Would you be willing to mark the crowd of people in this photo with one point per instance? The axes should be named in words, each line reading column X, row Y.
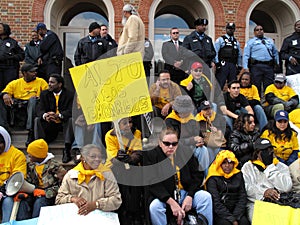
column 219, row 148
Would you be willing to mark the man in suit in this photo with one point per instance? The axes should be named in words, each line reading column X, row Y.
column 172, row 53
column 55, row 114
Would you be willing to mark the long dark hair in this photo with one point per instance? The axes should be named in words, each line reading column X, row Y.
column 6, row 29
column 240, row 122
column 271, row 127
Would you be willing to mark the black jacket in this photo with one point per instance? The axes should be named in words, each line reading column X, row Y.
column 51, row 48
column 10, row 52
column 229, row 196
column 241, row 144
column 48, row 103
column 32, row 52
column 162, row 177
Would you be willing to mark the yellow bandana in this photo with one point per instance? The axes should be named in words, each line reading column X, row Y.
column 215, row 168
column 260, row 163
column 174, row 116
column 85, row 175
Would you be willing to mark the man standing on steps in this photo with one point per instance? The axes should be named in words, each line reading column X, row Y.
column 55, row 114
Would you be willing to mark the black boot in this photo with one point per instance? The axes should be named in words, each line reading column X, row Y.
column 67, row 154
column 30, row 138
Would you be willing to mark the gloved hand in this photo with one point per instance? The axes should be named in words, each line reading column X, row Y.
column 122, row 155
column 39, row 192
column 20, row 196
column 288, row 105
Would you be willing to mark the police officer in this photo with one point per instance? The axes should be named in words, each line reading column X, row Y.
column 51, row 50
column 260, row 56
column 290, row 51
column 228, row 57
column 200, row 43
column 10, row 56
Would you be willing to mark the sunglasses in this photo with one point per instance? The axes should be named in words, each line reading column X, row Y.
column 175, row 32
column 278, row 82
column 166, row 143
column 198, row 70
column 259, row 29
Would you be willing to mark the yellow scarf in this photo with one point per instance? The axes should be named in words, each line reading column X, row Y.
column 174, row 116
column 200, row 117
column 215, row 168
column 260, row 163
column 85, row 175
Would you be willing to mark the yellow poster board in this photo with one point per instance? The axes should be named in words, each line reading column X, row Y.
column 112, row 88
column 266, row 213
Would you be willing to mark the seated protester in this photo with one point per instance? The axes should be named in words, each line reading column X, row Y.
column 265, row 177
column 207, row 119
column 235, row 103
column 197, row 85
column 242, row 138
column 12, row 160
column 122, row 158
column 45, row 174
column 90, row 185
column 55, row 114
column 20, row 96
column 163, row 93
column 279, row 96
column 295, row 175
column 226, row 185
column 182, row 120
column 283, row 138
column 175, row 181
column 251, row 93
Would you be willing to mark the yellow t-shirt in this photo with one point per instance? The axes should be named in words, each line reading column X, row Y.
column 282, row 148
column 250, row 93
column 285, row 93
column 20, row 89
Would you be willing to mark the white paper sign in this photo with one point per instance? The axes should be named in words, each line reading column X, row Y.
column 67, row 214
column 294, row 82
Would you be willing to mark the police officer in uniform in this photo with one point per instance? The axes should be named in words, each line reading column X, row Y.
column 10, row 56
column 290, row 51
column 229, row 56
column 200, row 43
column 261, row 55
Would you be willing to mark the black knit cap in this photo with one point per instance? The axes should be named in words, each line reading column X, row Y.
column 200, row 21
column 93, row 26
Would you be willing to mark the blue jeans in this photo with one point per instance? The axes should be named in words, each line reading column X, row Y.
column 230, row 120
column 7, row 206
column 202, row 202
column 37, row 205
column 260, row 116
column 201, row 153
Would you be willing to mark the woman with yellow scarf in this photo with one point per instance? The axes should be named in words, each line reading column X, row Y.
column 225, row 183
column 89, row 185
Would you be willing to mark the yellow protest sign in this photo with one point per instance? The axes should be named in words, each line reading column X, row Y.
column 112, row 88
column 266, row 213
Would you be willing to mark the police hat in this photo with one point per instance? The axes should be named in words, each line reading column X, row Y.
column 200, row 21
column 230, row 25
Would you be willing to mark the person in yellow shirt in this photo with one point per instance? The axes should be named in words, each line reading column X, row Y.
column 279, row 96
column 283, row 138
column 12, row 160
column 251, row 93
column 22, row 95
column 123, row 160
column 163, row 94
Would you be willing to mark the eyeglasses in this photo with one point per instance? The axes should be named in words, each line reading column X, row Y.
column 198, row 70
column 166, row 143
column 259, row 29
column 278, row 82
column 175, row 32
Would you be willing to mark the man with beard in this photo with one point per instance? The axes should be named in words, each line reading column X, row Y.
column 163, row 93
column 20, row 98
column 51, row 50
column 55, row 114
column 290, row 51
column 132, row 38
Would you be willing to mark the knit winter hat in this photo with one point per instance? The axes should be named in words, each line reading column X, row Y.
column 38, row 148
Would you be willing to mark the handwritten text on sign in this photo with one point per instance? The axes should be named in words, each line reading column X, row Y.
column 112, row 88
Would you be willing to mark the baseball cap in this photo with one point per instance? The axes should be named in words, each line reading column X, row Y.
column 196, row 65
column 280, row 77
column 201, row 21
column 28, row 68
column 262, row 143
column 205, row 105
column 281, row 115
column 41, row 26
